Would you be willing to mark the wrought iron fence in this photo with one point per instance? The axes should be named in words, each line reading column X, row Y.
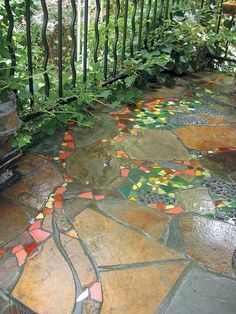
column 102, row 32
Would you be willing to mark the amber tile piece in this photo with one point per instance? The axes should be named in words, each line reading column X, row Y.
column 205, row 138
column 46, row 284
column 14, row 219
column 139, row 290
column 209, row 242
column 33, row 189
column 79, row 260
column 141, row 217
column 112, row 244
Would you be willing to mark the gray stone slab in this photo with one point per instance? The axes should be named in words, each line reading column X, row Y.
column 155, row 145
column 203, row 293
column 196, row 200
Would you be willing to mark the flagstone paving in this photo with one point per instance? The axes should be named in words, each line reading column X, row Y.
column 135, row 215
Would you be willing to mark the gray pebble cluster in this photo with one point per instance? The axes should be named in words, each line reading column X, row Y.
column 187, row 119
column 220, row 188
column 149, row 197
column 208, row 110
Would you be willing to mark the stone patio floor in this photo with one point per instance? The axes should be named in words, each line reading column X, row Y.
column 136, row 215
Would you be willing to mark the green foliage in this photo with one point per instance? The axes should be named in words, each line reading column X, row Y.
column 179, row 44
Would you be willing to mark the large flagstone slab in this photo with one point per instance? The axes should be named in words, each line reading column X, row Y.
column 207, row 138
column 155, row 145
column 138, row 216
column 111, row 244
column 46, row 284
column 196, row 200
column 79, row 260
column 203, row 292
column 33, row 189
column 210, row 242
column 139, row 290
column 14, row 219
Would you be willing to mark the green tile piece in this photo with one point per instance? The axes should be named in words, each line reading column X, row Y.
column 125, row 189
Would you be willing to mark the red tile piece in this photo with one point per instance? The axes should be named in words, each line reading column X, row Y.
column 67, row 176
column 161, row 206
column 99, row 197
column 68, row 137
column 47, row 211
column 178, row 172
column 96, row 292
column 21, row 257
column 122, row 153
column 58, row 205
column 120, row 139
column 35, row 225
column 60, row 190
column 124, row 172
column 17, row 248
column 58, row 197
column 189, row 172
column 39, row 235
column 88, row 195
column 175, row 211
column 71, row 145
column 121, row 125
column 64, row 155
column 2, row 253
column 30, row 247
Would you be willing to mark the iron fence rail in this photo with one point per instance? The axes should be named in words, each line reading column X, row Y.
column 124, row 24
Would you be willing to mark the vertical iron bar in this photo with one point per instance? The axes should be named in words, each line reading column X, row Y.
column 202, row 4
column 167, row 9
column 9, row 36
column 98, row 10
column 161, row 9
column 60, row 87
column 155, row 14
column 126, row 7
column 106, row 39
column 86, row 8
column 74, row 43
column 133, row 29
column 227, row 43
column 45, row 46
column 140, row 25
column 220, row 17
column 147, row 24
column 117, row 14
column 29, row 46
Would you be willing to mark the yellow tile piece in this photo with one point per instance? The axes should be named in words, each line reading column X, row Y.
column 139, row 184
column 133, row 198
column 49, row 204
column 40, row 216
column 198, row 173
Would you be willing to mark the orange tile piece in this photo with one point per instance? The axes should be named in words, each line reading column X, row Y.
column 47, row 211
column 175, row 211
column 161, row 206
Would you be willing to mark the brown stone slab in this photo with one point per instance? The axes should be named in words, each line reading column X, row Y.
column 209, row 242
column 46, row 284
column 141, row 217
column 139, row 290
column 79, row 260
column 205, row 138
column 155, row 145
column 14, row 218
column 34, row 189
column 30, row 163
column 112, row 244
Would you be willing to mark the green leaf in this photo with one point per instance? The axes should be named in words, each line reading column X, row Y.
column 21, row 140
column 129, row 81
column 49, row 126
